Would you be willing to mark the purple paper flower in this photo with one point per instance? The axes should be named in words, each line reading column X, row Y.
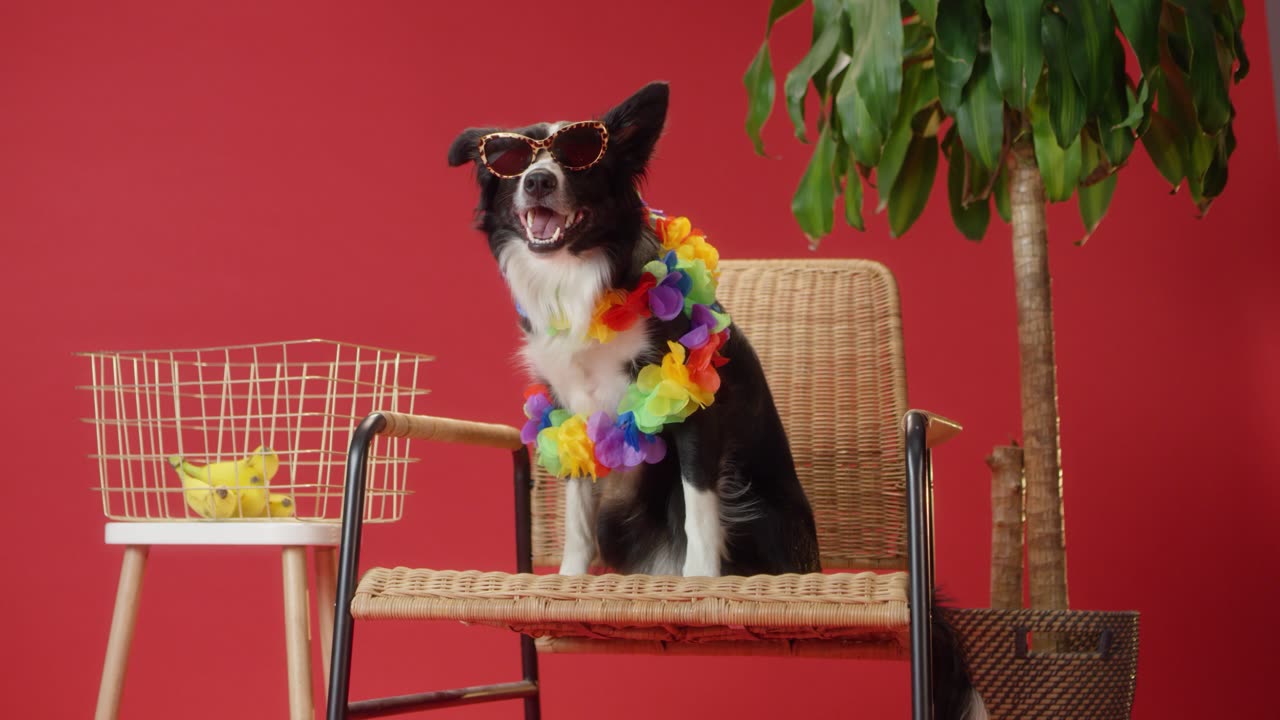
column 703, row 323
column 538, row 409
column 609, row 449
column 652, row 448
column 666, row 299
column 597, row 425
column 621, row 444
column 529, row 432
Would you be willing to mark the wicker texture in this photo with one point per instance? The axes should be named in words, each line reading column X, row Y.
column 867, row 605
column 829, row 335
column 868, row 645
column 1094, row 678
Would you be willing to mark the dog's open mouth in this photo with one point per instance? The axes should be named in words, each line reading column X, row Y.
column 546, row 230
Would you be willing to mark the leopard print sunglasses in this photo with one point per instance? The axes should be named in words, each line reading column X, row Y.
column 577, row 146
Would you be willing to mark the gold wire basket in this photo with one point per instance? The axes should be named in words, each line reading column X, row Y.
column 252, row 433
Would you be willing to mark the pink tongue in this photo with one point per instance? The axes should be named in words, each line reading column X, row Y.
column 545, row 223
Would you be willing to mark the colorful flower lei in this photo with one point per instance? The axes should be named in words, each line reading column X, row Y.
column 682, row 281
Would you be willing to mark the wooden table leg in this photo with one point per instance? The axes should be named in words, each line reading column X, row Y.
column 123, row 620
column 326, row 558
column 297, row 632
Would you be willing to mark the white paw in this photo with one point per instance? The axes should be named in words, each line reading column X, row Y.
column 574, row 564
column 701, row 565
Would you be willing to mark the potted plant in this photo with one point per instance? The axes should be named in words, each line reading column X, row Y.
column 1028, row 102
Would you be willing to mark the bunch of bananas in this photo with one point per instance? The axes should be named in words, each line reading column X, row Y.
column 233, row 488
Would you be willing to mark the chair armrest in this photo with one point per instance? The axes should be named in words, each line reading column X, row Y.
column 426, row 427
column 938, row 430
column 420, row 427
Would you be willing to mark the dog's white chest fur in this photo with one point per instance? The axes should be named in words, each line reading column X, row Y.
column 587, row 376
column 562, row 292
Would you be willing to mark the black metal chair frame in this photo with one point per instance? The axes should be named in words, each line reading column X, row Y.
column 920, row 553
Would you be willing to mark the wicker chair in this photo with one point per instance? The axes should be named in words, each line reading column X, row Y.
column 842, row 396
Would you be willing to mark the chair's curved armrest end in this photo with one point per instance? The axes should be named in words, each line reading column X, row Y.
column 450, row 430
column 939, row 429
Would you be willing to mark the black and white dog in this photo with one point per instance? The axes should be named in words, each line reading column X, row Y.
column 725, row 499
column 560, row 205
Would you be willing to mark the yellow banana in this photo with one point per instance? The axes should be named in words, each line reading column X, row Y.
column 266, row 460
column 253, row 501
column 231, row 473
column 208, row 501
column 246, row 477
column 263, row 462
column 281, row 505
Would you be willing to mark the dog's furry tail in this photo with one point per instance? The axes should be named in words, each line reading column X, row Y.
column 954, row 696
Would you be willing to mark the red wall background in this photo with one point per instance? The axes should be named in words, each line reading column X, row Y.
column 289, row 158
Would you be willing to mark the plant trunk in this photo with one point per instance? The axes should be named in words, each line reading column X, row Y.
column 1006, row 527
column 1046, row 540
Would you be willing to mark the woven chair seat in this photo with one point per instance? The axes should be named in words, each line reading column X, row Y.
column 865, row 607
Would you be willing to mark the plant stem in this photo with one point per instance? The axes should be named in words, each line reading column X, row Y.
column 1006, row 527
column 1046, row 540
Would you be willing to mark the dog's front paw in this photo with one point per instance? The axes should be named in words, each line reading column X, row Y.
column 570, row 565
column 701, row 565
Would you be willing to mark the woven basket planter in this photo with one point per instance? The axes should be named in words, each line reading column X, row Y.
column 1094, row 677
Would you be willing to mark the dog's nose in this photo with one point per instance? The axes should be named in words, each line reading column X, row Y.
column 540, row 183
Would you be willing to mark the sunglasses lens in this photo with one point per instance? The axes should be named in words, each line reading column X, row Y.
column 578, row 147
column 507, row 155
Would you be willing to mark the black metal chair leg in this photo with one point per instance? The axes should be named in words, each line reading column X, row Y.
column 523, row 476
column 920, row 566
column 930, row 547
column 349, row 565
column 529, row 661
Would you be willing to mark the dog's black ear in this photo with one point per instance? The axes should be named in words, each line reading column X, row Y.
column 635, row 124
column 466, row 147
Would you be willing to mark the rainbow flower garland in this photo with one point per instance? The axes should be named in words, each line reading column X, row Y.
column 682, row 281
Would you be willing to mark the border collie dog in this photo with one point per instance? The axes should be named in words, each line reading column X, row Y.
column 725, row 500
column 560, row 205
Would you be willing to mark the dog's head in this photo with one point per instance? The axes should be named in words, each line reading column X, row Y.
column 544, row 188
